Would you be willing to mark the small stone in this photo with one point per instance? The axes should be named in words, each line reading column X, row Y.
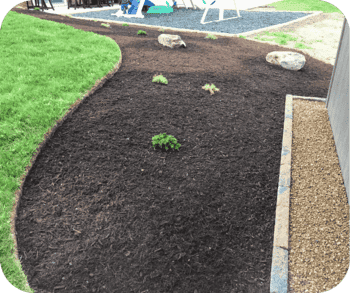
column 288, row 60
column 171, row 41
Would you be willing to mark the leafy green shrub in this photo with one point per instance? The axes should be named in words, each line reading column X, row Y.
column 164, row 139
column 160, row 79
column 209, row 36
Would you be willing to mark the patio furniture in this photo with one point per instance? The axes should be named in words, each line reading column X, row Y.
column 88, row 3
column 99, row 3
column 107, row 2
column 137, row 6
column 37, row 4
column 93, row 2
column 135, row 9
column 78, row 3
column 194, row 7
column 222, row 6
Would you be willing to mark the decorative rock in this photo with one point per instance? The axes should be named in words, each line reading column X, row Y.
column 288, row 60
column 171, row 41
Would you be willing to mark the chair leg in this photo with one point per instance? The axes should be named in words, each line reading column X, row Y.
column 43, row 5
column 204, row 15
column 51, row 5
column 69, row 4
column 221, row 14
column 86, row 3
column 28, row 4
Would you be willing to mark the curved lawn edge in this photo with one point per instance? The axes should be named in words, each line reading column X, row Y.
column 91, row 79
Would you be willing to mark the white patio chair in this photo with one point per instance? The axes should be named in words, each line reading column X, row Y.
column 221, row 5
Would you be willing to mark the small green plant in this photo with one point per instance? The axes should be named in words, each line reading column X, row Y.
column 282, row 38
column 243, row 37
column 164, row 139
column 159, row 79
column 36, row 8
column 125, row 24
column 95, row 20
column 209, row 36
column 106, row 24
column 211, row 88
column 69, row 15
column 141, row 32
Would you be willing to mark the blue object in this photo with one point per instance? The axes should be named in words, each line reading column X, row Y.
column 211, row 3
column 135, row 5
column 153, row 9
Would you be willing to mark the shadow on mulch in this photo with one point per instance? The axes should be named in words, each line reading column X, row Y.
column 102, row 211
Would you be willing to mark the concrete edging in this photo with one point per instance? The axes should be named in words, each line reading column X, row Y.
column 280, row 253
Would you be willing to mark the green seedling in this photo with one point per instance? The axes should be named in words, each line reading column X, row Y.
column 209, row 36
column 36, row 8
column 141, row 32
column 125, row 24
column 69, row 15
column 159, row 79
column 106, row 24
column 95, row 20
column 164, row 139
column 211, row 88
column 243, row 37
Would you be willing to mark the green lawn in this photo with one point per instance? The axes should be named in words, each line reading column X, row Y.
column 39, row 62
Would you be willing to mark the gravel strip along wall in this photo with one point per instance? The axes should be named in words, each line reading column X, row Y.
column 312, row 209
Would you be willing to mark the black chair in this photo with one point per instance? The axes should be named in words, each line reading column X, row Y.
column 37, row 4
column 92, row 2
column 99, row 3
column 78, row 3
column 106, row 2
column 88, row 3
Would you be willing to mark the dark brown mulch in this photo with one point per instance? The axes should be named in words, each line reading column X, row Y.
column 102, row 211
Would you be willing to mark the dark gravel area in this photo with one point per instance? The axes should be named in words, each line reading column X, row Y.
column 191, row 19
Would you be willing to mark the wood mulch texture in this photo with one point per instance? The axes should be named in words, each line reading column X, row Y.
column 102, row 211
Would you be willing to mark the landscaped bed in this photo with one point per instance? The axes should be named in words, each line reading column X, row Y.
column 103, row 211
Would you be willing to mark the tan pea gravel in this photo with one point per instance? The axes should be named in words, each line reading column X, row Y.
column 319, row 209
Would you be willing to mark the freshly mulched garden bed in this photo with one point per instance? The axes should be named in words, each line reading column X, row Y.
column 102, row 211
